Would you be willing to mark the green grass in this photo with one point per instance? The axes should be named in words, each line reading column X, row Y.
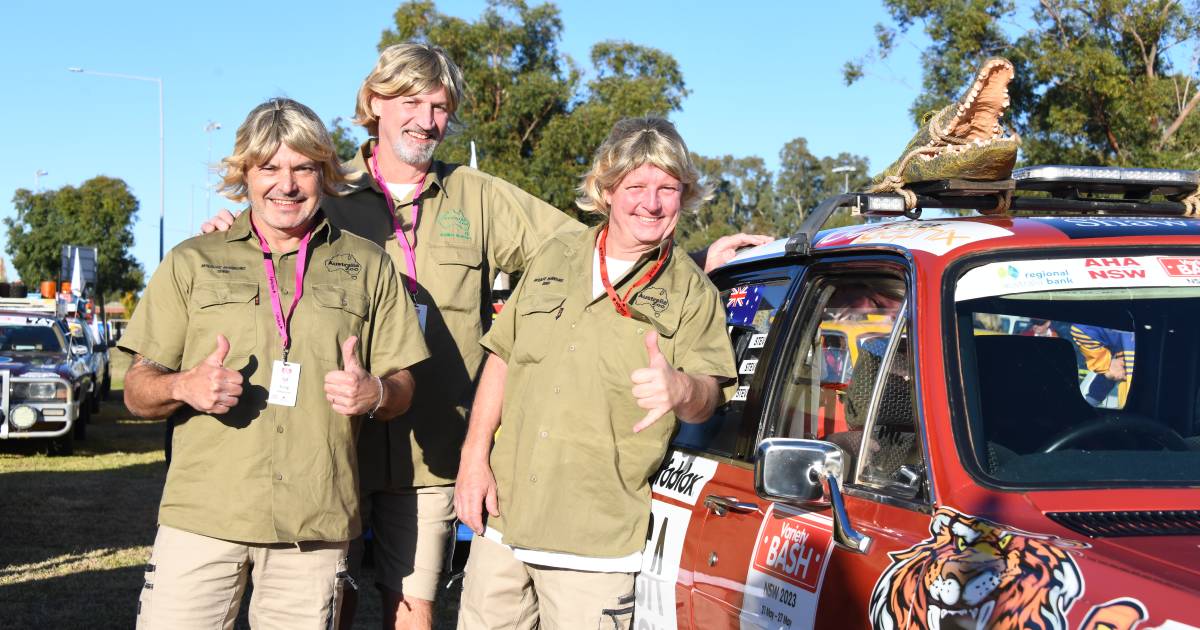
column 75, row 532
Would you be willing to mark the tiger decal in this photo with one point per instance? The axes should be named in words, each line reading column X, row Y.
column 973, row 574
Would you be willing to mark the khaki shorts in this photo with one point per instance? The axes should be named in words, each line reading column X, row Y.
column 500, row 591
column 197, row 582
column 413, row 531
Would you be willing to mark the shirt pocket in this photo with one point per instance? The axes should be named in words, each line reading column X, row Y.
column 456, row 279
column 227, row 308
column 340, row 309
column 536, row 315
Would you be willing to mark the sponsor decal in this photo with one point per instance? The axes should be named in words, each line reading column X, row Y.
column 742, row 304
column 682, row 477
column 935, row 237
column 785, row 575
column 748, row 366
column 23, row 320
column 1119, row 614
column 219, row 269
column 741, row 393
column 346, row 263
column 1108, row 227
column 39, row 374
column 546, row 280
column 454, row 224
column 1180, row 267
column 655, row 298
column 1023, row 276
column 974, row 573
column 758, row 340
column 655, row 584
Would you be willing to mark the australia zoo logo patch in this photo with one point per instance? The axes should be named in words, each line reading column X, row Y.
column 344, row 262
column 655, row 298
column 454, row 224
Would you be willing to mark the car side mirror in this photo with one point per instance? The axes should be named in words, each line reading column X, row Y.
column 99, row 347
column 807, row 473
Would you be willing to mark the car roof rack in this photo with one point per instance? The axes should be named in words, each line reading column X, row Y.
column 1070, row 188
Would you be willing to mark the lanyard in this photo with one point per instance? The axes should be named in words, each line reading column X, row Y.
column 622, row 303
column 281, row 320
column 410, row 256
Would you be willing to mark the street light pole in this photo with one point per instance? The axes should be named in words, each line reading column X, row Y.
column 37, row 177
column 162, row 195
column 208, row 169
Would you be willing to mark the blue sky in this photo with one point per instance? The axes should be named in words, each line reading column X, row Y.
column 760, row 74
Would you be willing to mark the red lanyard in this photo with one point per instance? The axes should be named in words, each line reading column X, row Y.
column 410, row 256
column 622, row 303
column 281, row 320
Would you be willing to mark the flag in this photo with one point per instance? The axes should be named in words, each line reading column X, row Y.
column 742, row 304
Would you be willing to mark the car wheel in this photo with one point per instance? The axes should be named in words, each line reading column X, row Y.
column 94, row 401
column 82, row 422
column 106, row 386
column 62, row 445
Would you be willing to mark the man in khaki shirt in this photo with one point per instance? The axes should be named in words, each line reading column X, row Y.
column 469, row 226
column 609, row 338
column 261, row 343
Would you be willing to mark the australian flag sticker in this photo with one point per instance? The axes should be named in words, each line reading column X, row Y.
column 743, row 304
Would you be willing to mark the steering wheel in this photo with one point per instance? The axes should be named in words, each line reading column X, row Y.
column 1117, row 425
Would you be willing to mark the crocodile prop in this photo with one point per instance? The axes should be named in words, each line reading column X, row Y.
column 963, row 140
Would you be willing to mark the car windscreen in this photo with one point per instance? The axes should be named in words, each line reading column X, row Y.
column 1081, row 372
column 30, row 338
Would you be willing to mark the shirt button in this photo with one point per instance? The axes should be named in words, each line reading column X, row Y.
column 571, row 347
column 544, row 434
column 532, row 478
column 556, row 389
column 343, row 301
column 279, row 429
column 641, row 330
column 572, row 325
column 278, row 476
column 587, row 309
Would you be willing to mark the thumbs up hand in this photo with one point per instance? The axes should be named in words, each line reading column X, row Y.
column 351, row 391
column 210, row 387
column 657, row 387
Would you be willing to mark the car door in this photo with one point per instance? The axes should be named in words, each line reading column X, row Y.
column 712, row 458
column 871, row 413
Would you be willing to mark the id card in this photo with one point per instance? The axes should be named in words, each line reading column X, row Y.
column 285, row 383
column 422, row 311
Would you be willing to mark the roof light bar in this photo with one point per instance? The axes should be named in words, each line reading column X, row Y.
column 1107, row 179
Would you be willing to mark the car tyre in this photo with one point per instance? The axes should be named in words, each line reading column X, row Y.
column 82, row 422
column 94, row 400
column 62, row 445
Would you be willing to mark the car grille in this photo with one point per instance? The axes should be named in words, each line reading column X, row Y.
column 1135, row 523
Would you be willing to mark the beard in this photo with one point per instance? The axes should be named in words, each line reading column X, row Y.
column 414, row 155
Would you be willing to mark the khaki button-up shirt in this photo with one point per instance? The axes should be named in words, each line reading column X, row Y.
column 470, row 226
column 571, row 474
column 266, row 473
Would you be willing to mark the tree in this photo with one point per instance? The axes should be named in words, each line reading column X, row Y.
column 1103, row 82
column 534, row 120
column 99, row 213
column 344, row 141
column 743, row 200
column 804, row 180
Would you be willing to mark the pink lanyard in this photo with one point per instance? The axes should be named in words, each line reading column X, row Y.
column 282, row 321
column 410, row 256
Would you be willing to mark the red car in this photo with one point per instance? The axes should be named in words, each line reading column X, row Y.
column 1020, row 448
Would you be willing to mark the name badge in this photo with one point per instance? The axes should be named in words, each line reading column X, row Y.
column 285, row 383
column 422, row 311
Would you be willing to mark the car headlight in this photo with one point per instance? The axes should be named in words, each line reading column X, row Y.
column 38, row 390
column 23, row 417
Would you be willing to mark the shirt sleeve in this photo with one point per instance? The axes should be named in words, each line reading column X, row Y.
column 520, row 224
column 396, row 341
column 702, row 344
column 158, row 328
column 499, row 340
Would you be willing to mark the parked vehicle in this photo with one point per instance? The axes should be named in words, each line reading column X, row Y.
column 95, row 353
column 955, row 475
column 44, row 383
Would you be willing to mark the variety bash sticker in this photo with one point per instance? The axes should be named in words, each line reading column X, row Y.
column 1024, row 276
column 784, row 579
column 1108, row 227
column 935, row 237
